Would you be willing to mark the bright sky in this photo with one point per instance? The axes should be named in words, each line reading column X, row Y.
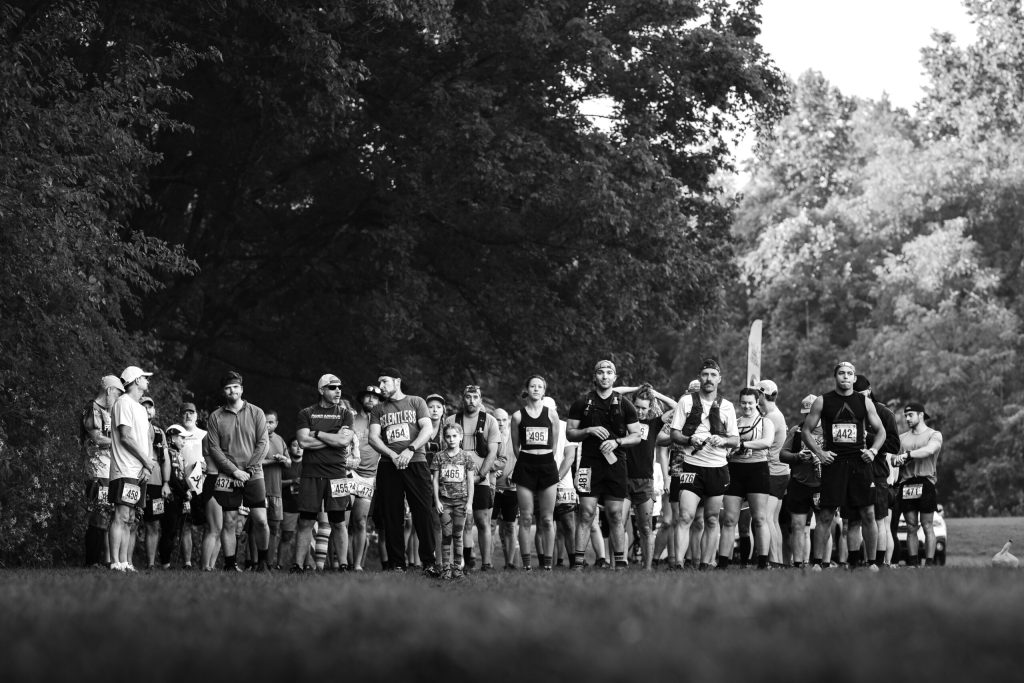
column 865, row 47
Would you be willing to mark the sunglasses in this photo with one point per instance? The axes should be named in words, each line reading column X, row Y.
column 333, row 387
column 471, row 389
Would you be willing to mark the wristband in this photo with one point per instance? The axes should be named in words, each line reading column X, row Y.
column 618, row 443
column 316, row 434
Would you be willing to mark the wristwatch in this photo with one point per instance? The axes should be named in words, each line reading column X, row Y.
column 316, row 434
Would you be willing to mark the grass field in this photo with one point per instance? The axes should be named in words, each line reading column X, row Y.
column 974, row 541
column 938, row 624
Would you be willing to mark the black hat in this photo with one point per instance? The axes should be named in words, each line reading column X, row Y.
column 862, row 383
column 232, row 377
column 391, row 372
column 917, row 408
column 710, row 362
column 370, row 389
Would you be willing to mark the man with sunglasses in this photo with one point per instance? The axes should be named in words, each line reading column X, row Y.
column 237, row 440
column 325, row 435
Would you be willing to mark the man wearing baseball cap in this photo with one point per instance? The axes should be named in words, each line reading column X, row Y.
column 130, row 464
column 606, row 424
column 846, row 475
column 918, row 459
column 400, row 427
column 324, row 432
column 95, row 423
column 237, row 440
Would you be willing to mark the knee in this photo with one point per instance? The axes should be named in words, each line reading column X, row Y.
column 711, row 521
column 614, row 516
column 526, row 519
column 359, row 524
column 759, row 519
column 547, row 522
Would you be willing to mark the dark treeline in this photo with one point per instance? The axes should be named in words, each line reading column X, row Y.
column 288, row 188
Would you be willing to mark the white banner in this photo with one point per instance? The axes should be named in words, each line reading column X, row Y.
column 754, row 354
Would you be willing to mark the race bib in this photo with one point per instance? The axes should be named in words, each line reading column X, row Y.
column 224, row 484
column 131, row 494
column 844, row 433
column 158, row 506
column 566, row 496
column 103, row 494
column 583, row 480
column 361, row 489
column 645, row 429
column 816, row 500
column 536, row 436
column 687, row 477
column 453, row 474
column 340, row 488
column 399, row 432
column 186, row 507
column 912, row 491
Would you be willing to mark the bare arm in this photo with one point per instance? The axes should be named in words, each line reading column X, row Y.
column 135, row 447
column 766, row 440
column 876, row 424
column 513, row 429
column 810, row 422
column 929, row 449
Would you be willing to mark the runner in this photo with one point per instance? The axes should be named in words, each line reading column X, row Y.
column 672, row 464
column 640, row 463
column 404, row 423
column 130, row 464
column 804, row 488
column 290, row 484
column 846, row 476
column 437, row 408
column 175, row 518
column 506, row 502
column 365, row 476
column 480, row 442
column 237, row 441
column 535, row 431
column 96, row 439
column 919, row 454
column 158, row 487
column 748, row 478
column 275, row 464
column 453, row 470
column 566, row 498
column 605, row 424
column 324, row 431
column 778, row 471
column 707, row 424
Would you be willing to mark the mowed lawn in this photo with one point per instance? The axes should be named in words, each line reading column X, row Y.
column 937, row 624
column 973, row 541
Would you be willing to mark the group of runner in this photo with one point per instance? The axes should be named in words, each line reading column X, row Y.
column 434, row 483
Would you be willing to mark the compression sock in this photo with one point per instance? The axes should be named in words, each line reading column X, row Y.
column 745, row 548
column 913, row 561
column 762, row 562
column 880, row 557
column 229, row 563
column 467, row 556
column 577, row 558
column 855, row 558
column 527, row 559
column 620, row 559
column 723, row 561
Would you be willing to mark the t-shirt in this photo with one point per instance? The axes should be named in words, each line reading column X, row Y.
column 368, row 457
column 399, row 424
column 327, row 461
column 156, row 477
column 614, row 413
column 97, row 417
column 775, row 466
column 929, row 441
column 292, row 473
column 455, row 472
column 640, row 458
column 708, row 455
column 491, row 435
column 272, row 471
column 807, row 473
column 129, row 413
column 505, row 463
column 751, row 429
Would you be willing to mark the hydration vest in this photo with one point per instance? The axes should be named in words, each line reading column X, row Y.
column 481, row 424
column 697, row 410
column 616, row 420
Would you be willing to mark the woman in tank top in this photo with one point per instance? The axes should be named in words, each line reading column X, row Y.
column 535, row 431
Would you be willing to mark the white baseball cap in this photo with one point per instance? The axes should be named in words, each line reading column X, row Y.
column 132, row 373
column 326, row 380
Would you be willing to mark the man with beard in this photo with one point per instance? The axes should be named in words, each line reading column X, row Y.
column 846, row 474
column 365, row 476
column 606, row 424
column 707, row 424
column 480, row 441
column 919, row 455
column 399, row 429
column 324, row 432
column 237, row 441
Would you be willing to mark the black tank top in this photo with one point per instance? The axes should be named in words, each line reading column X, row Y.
column 535, row 433
column 843, row 419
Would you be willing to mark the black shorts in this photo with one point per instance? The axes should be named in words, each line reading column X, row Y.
column 483, row 497
column 641, row 491
column 127, row 492
column 746, row 478
column 918, row 495
column 799, row 498
column 673, row 489
column 705, row 482
column 230, row 496
column 535, row 472
column 595, row 478
column 197, row 510
column 847, row 482
column 155, row 503
column 506, row 506
column 777, row 484
column 316, row 493
column 882, row 497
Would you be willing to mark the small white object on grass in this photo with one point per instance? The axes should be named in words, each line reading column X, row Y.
column 1004, row 559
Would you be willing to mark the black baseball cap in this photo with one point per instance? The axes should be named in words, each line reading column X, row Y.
column 914, row 407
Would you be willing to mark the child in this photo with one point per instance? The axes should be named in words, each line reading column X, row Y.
column 453, row 494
